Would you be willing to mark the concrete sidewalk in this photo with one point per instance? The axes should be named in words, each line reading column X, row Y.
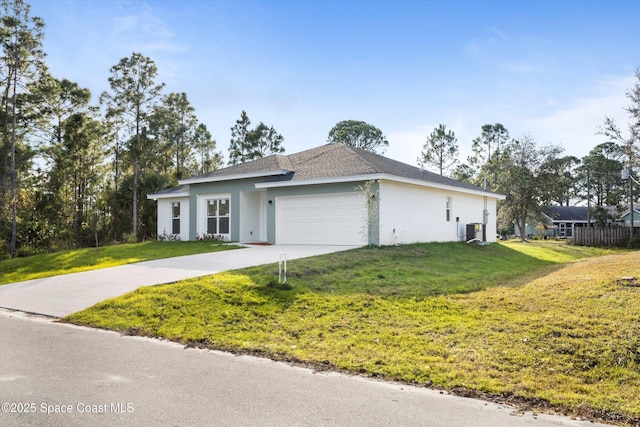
column 60, row 296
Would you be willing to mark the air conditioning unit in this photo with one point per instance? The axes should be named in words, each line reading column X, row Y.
column 472, row 231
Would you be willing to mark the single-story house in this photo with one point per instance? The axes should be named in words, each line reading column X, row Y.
column 562, row 220
column 316, row 197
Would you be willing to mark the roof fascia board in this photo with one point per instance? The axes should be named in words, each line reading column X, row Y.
column 548, row 217
column 379, row 176
column 168, row 195
column 628, row 211
column 335, row 180
column 261, row 174
column 444, row 187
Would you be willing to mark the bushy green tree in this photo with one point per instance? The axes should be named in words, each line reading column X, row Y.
column 522, row 179
column 358, row 134
column 250, row 144
column 561, row 177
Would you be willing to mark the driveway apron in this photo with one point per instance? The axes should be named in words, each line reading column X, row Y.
column 60, row 296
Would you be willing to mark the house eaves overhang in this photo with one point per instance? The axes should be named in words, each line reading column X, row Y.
column 628, row 212
column 262, row 174
column 375, row 177
column 168, row 195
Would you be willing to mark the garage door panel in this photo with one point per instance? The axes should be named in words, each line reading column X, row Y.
column 330, row 219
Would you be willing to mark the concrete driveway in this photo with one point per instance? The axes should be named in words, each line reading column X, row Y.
column 60, row 296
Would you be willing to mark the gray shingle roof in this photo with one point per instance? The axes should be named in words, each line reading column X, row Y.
column 566, row 213
column 266, row 164
column 333, row 161
column 172, row 190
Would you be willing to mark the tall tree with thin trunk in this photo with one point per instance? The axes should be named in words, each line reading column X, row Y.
column 79, row 159
column 133, row 96
column 205, row 146
column 486, row 148
column 440, row 150
column 174, row 123
column 239, row 146
column 21, row 63
column 599, row 175
column 490, row 142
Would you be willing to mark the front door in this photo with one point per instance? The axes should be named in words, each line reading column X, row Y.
column 253, row 216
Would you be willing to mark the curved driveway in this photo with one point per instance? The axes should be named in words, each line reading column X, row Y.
column 60, row 296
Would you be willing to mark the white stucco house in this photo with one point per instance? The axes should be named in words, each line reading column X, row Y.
column 315, row 197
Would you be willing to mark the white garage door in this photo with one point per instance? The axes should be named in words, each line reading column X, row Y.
column 328, row 219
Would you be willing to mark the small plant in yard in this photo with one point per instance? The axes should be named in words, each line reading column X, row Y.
column 212, row 237
column 544, row 323
column 164, row 237
column 129, row 238
column 370, row 208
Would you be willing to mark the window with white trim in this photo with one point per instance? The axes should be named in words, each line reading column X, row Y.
column 448, row 209
column 218, row 216
column 175, row 218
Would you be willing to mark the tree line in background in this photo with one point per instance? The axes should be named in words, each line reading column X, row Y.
column 74, row 174
column 528, row 174
column 531, row 175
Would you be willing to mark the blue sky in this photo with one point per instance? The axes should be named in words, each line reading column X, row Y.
column 549, row 69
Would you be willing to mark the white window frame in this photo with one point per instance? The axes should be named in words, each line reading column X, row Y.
column 448, row 210
column 175, row 217
column 218, row 202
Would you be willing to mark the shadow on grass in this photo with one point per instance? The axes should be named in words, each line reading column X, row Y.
column 410, row 271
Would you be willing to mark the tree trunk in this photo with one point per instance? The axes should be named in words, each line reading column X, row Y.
column 14, row 184
column 523, row 228
column 134, row 230
column 136, row 166
column 114, row 206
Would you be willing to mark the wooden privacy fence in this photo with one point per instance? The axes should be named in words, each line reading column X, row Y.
column 601, row 236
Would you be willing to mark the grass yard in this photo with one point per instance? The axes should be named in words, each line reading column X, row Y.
column 73, row 261
column 542, row 324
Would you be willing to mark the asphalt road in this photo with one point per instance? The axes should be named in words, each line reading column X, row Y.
column 53, row 374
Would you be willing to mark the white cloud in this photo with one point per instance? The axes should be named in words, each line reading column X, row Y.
column 575, row 127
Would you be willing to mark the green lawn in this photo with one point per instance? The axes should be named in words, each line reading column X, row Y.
column 543, row 324
column 64, row 262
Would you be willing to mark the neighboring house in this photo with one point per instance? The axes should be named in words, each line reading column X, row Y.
column 626, row 216
column 562, row 220
column 316, row 197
